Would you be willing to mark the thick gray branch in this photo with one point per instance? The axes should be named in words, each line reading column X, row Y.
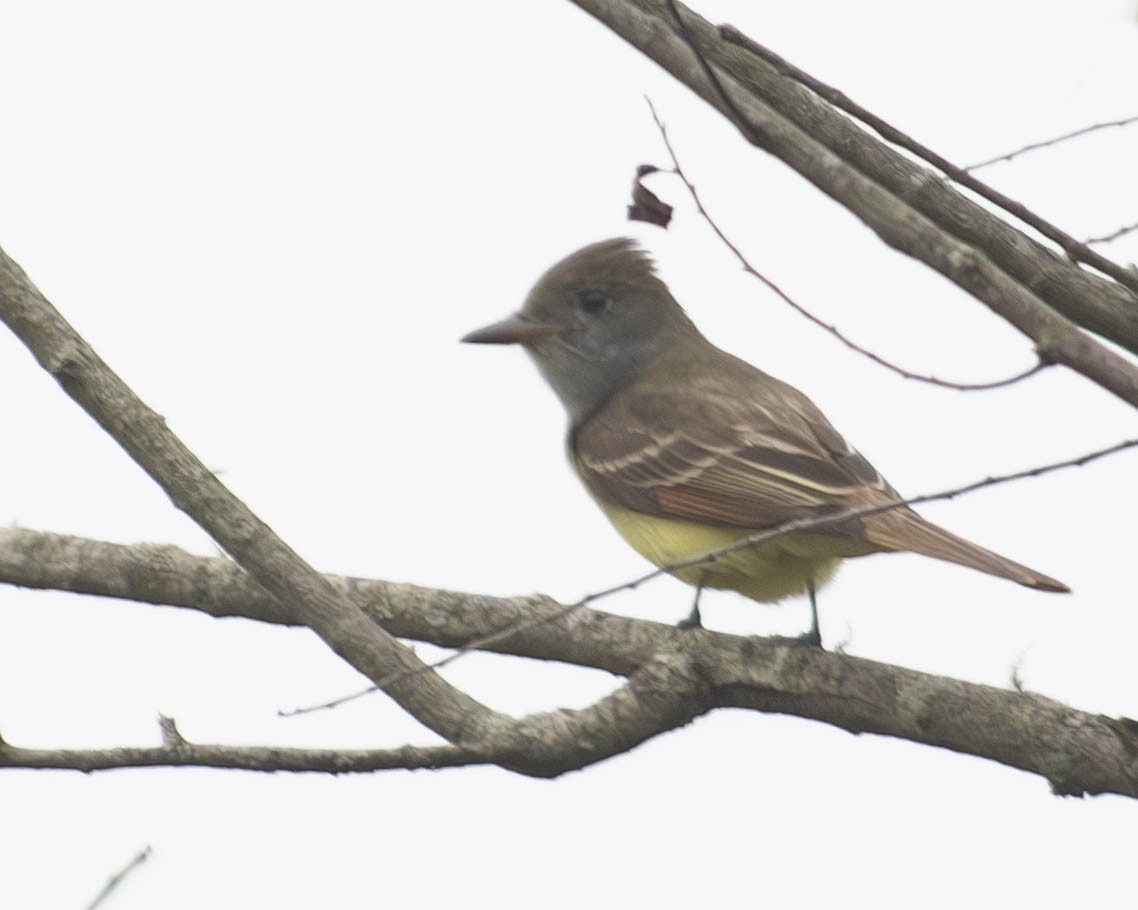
column 164, row 574
column 673, row 676
column 910, row 208
column 1105, row 307
column 196, row 491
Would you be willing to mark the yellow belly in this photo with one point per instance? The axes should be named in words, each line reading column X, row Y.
column 767, row 572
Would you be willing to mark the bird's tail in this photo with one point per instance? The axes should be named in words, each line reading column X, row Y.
column 904, row 529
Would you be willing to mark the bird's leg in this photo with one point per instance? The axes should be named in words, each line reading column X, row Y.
column 693, row 619
column 814, row 636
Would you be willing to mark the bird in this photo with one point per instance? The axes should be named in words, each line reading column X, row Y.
column 687, row 448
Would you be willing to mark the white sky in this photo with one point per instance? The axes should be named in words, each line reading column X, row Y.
column 276, row 219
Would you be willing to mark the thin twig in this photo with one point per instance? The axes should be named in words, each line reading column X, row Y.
column 1113, row 235
column 811, row 523
column 1031, row 147
column 475, row 644
column 117, row 879
column 1071, row 246
column 832, row 329
column 245, row 758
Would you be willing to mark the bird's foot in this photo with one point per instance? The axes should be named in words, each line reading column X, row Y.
column 812, row 639
column 693, row 620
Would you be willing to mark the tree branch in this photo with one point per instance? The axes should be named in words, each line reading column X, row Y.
column 1113, row 235
column 167, row 575
column 242, row 758
column 1077, row 250
column 674, row 676
column 254, row 546
column 910, row 208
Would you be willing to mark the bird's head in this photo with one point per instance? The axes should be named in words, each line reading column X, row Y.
column 593, row 322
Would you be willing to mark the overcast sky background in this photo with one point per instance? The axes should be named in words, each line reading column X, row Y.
column 275, row 220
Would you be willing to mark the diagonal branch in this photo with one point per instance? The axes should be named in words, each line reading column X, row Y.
column 910, row 208
column 254, row 546
column 1074, row 248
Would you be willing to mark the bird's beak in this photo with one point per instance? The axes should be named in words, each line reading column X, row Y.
column 514, row 329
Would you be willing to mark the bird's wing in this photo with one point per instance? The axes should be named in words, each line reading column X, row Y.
column 736, row 448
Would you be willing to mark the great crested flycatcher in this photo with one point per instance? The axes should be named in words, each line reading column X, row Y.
column 687, row 448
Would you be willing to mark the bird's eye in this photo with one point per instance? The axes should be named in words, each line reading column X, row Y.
column 593, row 302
